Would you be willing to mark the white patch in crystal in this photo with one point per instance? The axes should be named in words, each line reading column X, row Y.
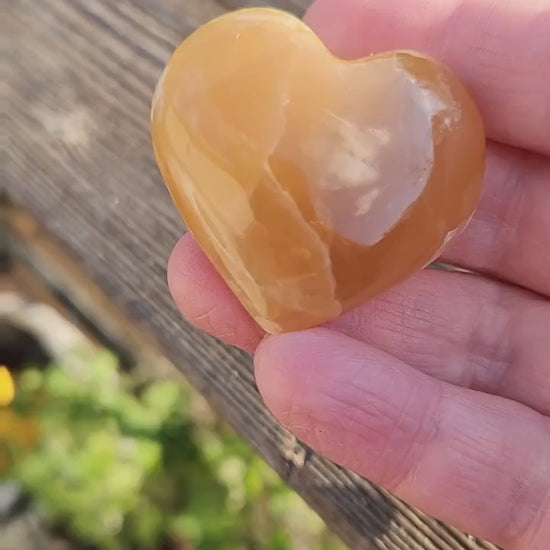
column 358, row 186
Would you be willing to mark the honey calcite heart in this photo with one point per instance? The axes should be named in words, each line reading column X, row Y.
column 313, row 183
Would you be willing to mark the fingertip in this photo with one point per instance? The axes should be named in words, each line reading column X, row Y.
column 284, row 359
column 188, row 268
column 205, row 300
column 356, row 28
column 327, row 19
column 270, row 375
column 298, row 374
column 283, row 364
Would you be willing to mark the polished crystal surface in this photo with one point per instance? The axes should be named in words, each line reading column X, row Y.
column 313, row 183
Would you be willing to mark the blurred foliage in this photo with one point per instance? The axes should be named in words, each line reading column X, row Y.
column 128, row 467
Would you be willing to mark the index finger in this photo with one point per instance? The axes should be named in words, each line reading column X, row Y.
column 501, row 50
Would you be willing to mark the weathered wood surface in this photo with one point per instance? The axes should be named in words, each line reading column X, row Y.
column 80, row 75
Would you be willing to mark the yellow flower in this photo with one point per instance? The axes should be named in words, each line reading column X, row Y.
column 7, row 387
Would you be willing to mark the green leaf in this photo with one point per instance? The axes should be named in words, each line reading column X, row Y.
column 162, row 399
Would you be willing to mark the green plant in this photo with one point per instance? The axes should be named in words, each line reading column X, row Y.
column 125, row 468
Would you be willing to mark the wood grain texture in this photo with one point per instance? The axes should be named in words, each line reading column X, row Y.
column 80, row 76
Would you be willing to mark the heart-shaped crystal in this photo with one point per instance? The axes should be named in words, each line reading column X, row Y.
column 313, row 183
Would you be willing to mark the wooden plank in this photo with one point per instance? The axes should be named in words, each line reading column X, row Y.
column 79, row 81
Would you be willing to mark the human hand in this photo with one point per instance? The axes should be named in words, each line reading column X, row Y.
column 440, row 389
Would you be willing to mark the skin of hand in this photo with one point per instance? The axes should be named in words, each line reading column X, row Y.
column 439, row 390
